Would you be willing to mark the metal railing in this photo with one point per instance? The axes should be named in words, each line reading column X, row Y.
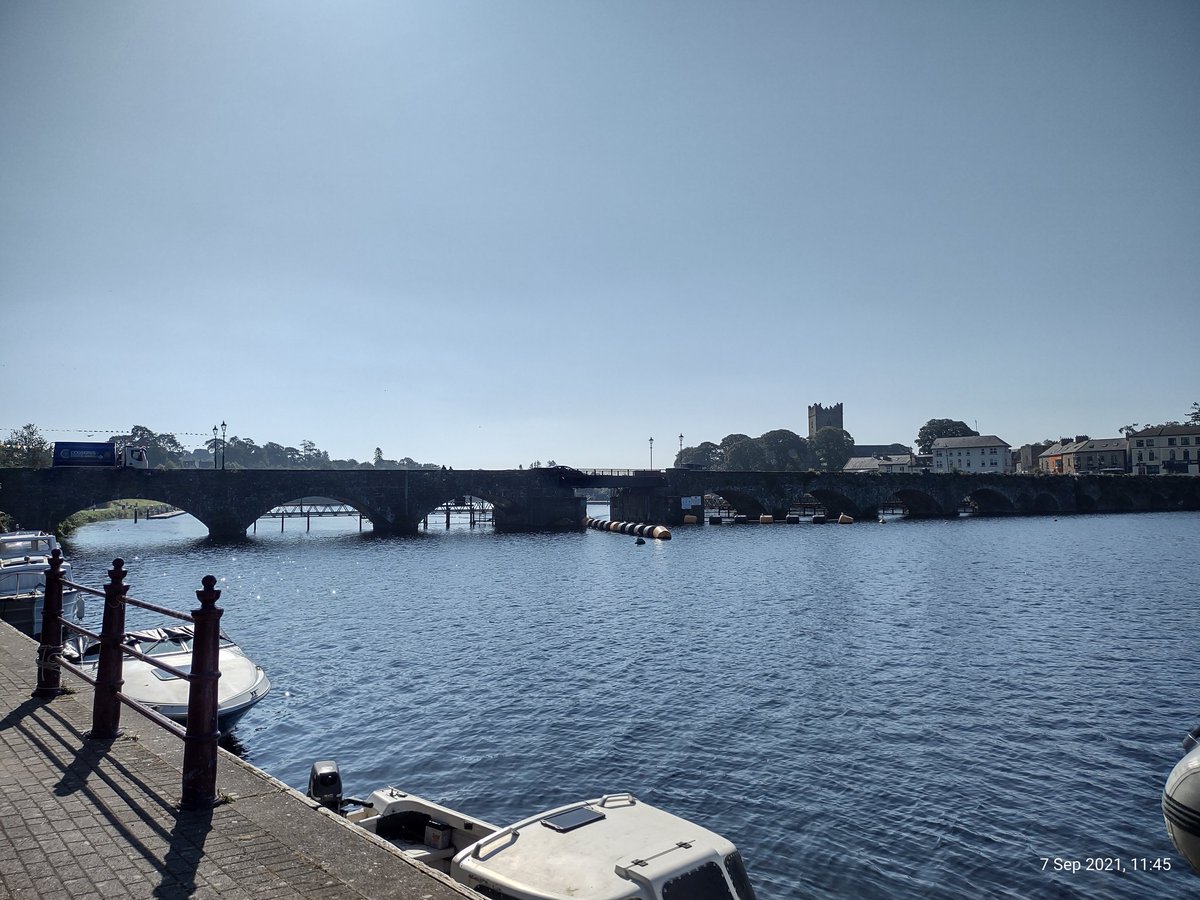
column 202, row 733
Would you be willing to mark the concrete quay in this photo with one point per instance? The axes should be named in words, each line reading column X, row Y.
column 101, row 819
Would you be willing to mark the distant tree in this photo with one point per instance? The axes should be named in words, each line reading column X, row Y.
column 786, row 451
column 1127, row 430
column 745, row 456
column 25, row 449
column 1194, row 415
column 833, row 447
column 378, row 461
column 941, row 428
column 707, row 456
column 312, row 457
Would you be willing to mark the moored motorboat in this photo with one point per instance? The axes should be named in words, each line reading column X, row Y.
column 242, row 683
column 1181, row 801
column 614, row 847
column 24, row 558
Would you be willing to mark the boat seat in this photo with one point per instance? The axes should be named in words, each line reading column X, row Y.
column 426, row 854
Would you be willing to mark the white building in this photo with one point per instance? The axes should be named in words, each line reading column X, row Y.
column 1165, row 450
column 983, row 454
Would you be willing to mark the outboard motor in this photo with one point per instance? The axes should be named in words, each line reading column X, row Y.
column 1181, row 801
column 325, row 784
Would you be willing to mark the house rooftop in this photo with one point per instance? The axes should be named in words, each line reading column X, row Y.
column 1166, row 431
column 981, row 440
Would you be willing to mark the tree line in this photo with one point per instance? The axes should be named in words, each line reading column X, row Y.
column 775, row 451
column 27, row 448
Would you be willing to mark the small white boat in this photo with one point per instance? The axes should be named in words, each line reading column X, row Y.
column 242, row 683
column 24, row 559
column 614, row 847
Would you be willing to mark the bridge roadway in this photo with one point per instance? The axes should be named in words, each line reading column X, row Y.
column 397, row 501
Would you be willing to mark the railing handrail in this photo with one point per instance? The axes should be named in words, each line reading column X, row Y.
column 144, row 604
column 202, row 733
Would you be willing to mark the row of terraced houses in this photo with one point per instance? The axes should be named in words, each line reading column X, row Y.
column 1161, row 450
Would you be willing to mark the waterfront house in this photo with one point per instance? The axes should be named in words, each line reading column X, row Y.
column 883, row 463
column 1165, row 450
column 1089, row 456
column 980, row 454
column 1050, row 460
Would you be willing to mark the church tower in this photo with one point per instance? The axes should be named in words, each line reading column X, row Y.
column 821, row 417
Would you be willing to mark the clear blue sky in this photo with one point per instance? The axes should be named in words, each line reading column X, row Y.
column 484, row 233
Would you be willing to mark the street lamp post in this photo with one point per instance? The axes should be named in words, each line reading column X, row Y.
column 222, row 445
column 651, row 453
column 215, row 445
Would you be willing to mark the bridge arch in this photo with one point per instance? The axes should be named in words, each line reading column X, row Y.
column 990, row 502
column 835, row 502
column 746, row 503
column 1046, row 503
column 921, row 504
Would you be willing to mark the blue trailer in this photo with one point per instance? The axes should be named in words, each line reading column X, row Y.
column 84, row 453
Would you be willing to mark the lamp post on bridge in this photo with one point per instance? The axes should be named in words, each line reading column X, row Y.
column 214, row 448
column 222, row 445
column 651, row 453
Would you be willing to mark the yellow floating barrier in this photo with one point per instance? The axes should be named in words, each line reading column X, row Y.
column 764, row 519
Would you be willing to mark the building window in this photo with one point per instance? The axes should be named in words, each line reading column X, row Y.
column 1152, row 457
column 1170, row 442
column 1139, row 456
column 1149, row 442
column 1185, row 441
column 1141, row 443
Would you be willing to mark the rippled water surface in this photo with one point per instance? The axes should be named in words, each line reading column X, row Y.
column 921, row 709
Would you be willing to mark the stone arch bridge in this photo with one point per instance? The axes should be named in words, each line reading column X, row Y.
column 396, row 501
column 229, row 501
column 923, row 496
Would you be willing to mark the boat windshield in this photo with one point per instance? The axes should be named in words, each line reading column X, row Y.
column 156, row 648
column 706, row 882
column 741, row 881
column 21, row 582
column 26, row 545
column 156, row 645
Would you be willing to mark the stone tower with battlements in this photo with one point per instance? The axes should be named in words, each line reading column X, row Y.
column 823, row 417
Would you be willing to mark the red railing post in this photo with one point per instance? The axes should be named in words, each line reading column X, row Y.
column 49, row 680
column 200, row 744
column 106, row 706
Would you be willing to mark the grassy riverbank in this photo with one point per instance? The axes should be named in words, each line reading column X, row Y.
column 119, row 509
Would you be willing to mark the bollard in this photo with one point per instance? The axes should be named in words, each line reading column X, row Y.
column 200, row 743
column 106, row 706
column 49, row 680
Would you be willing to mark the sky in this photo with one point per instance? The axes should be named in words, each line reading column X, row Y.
column 481, row 234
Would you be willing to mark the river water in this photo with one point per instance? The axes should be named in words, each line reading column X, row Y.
column 966, row 708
